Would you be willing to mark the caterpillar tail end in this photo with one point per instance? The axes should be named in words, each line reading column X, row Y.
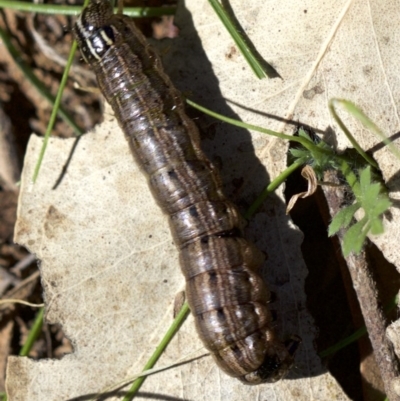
column 278, row 360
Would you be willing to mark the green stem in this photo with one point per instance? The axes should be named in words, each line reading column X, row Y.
column 357, row 334
column 271, row 188
column 56, row 109
column 182, row 315
column 303, row 141
column 33, row 333
column 344, row 343
column 75, row 10
column 350, row 137
column 226, row 20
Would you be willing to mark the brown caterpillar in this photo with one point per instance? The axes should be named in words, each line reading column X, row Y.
column 225, row 292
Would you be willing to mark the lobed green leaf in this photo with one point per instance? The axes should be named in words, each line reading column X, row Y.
column 343, row 218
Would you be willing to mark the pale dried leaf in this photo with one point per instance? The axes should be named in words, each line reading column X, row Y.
column 21, row 291
column 309, row 174
column 112, row 286
column 101, row 281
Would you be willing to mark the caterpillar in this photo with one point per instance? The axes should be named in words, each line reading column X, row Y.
column 224, row 289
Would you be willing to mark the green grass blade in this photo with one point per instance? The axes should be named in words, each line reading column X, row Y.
column 33, row 333
column 307, row 143
column 356, row 335
column 271, row 188
column 56, row 107
column 368, row 123
column 136, row 12
column 344, row 343
column 241, row 124
column 252, row 59
column 182, row 315
column 346, row 131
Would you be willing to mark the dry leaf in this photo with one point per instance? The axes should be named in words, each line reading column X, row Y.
column 309, row 174
column 109, row 267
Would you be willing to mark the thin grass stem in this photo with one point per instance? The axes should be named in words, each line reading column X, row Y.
column 136, row 12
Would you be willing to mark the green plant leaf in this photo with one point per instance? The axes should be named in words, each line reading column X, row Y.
column 320, row 156
column 365, row 178
column 299, row 153
column 301, row 156
column 304, row 134
column 377, row 226
column 355, row 236
column 373, row 199
column 343, row 218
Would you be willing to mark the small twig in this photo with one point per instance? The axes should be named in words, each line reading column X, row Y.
column 10, row 170
column 375, row 321
column 20, row 291
column 23, row 264
column 367, row 295
column 6, row 280
column 20, row 302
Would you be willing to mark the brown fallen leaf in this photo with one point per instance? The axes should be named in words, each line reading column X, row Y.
column 309, row 174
